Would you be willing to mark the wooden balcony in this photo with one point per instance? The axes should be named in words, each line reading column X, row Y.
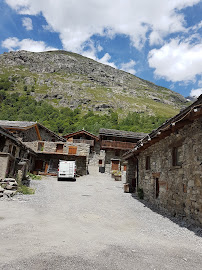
column 90, row 142
column 117, row 145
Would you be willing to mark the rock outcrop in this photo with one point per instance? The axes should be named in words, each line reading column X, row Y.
column 68, row 79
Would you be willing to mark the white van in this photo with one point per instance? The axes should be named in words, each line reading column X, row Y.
column 66, row 170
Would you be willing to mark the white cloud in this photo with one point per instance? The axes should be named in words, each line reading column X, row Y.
column 200, row 83
column 105, row 60
column 177, row 61
column 128, row 67
column 47, row 27
column 132, row 18
column 155, row 38
column 27, row 23
column 14, row 43
column 196, row 92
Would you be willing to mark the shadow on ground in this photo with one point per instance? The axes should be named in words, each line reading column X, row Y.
column 176, row 219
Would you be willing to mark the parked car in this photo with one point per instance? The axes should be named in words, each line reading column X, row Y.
column 67, row 170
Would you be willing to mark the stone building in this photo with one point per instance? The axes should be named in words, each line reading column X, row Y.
column 48, row 146
column 49, row 154
column 167, row 164
column 83, row 136
column 115, row 143
column 30, row 131
column 12, row 152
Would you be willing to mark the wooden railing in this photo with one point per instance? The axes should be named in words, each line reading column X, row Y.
column 90, row 142
column 117, row 145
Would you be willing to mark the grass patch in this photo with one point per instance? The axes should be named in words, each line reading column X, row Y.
column 34, row 177
column 25, row 190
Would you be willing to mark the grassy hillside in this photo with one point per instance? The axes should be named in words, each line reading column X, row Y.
column 18, row 107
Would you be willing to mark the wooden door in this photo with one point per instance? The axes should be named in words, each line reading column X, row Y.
column 39, row 165
column 115, row 165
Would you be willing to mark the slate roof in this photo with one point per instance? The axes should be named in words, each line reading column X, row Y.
column 83, row 131
column 26, row 125
column 9, row 135
column 20, row 124
column 121, row 133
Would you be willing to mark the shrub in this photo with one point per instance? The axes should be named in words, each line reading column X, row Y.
column 25, row 190
column 34, row 177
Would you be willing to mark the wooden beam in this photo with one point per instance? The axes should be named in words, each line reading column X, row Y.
column 37, row 132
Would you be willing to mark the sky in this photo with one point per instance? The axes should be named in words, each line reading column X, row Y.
column 157, row 40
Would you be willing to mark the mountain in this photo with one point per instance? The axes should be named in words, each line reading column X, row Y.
column 66, row 79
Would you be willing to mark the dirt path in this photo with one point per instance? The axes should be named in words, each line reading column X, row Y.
column 91, row 224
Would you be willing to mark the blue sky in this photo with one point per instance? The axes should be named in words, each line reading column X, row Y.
column 157, row 40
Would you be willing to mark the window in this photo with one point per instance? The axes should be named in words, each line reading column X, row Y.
column 177, row 156
column 100, row 161
column 148, row 164
column 117, row 153
column 157, row 188
column 14, row 151
column 40, row 146
column 72, row 150
column 10, row 148
column 115, row 165
column 59, row 148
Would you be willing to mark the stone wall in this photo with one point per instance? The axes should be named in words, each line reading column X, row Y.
column 27, row 135
column 95, row 157
column 46, row 136
column 4, row 158
column 50, row 147
column 131, row 173
column 176, row 187
column 112, row 154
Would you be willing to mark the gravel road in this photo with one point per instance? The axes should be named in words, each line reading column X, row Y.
column 91, row 224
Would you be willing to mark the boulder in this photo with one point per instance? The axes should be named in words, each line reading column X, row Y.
column 9, row 193
column 9, row 180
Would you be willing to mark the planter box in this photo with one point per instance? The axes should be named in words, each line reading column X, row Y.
column 117, row 177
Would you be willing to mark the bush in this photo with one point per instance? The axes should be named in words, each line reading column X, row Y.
column 140, row 193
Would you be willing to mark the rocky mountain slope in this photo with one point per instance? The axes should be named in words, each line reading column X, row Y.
column 68, row 79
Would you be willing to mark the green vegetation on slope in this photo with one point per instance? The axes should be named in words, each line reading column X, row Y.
column 18, row 107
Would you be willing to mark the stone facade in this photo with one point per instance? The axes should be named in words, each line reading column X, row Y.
column 49, row 154
column 112, row 154
column 12, row 151
column 82, row 149
column 176, row 187
column 4, row 159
